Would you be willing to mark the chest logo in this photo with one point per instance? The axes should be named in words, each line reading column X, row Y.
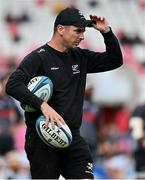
column 75, row 69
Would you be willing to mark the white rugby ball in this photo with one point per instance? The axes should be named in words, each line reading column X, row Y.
column 42, row 87
column 57, row 137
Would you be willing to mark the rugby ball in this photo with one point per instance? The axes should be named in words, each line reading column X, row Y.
column 42, row 87
column 56, row 138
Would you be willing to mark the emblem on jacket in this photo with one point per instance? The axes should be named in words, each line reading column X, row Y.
column 75, row 69
column 41, row 50
column 54, row 68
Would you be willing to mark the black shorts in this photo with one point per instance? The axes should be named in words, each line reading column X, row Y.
column 74, row 162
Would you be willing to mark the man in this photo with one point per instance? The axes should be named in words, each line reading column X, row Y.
column 67, row 66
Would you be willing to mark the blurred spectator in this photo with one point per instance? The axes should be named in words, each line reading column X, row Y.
column 115, row 145
column 11, row 63
column 130, row 39
column 117, row 115
column 114, row 162
column 90, row 117
column 17, row 167
column 59, row 6
column 142, row 4
column 6, row 143
column 139, row 155
column 93, row 3
column 9, row 114
column 12, row 130
column 120, row 167
column 18, row 133
column 137, row 121
column 40, row 3
column 3, row 168
column 13, row 24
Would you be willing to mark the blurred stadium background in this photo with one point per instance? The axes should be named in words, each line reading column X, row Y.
column 114, row 105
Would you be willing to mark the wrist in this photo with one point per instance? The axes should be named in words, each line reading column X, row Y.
column 105, row 30
column 42, row 105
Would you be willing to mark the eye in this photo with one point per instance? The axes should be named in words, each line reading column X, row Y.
column 79, row 30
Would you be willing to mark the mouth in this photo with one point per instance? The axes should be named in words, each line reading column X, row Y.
column 77, row 43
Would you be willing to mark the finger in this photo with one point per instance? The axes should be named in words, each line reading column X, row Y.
column 47, row 121
column 59, row 124
column 52, row 124
column 91, row 17
column 95, row 17
column 51, row 119
column 103, row 19
column 61, row 119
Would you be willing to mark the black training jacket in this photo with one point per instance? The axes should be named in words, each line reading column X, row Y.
column 68, row 74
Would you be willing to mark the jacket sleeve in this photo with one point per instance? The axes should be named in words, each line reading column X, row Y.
column 105, row 61
column 17, row 82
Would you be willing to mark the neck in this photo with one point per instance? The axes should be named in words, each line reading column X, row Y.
column 57, row 45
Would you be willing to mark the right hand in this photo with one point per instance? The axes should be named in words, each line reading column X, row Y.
column 51, row 115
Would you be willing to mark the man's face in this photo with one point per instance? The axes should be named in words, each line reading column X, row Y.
column 72, row 36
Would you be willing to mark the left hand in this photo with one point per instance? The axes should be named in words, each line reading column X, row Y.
column 101, row 23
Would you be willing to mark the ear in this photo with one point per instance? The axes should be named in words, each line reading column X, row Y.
column 60, row 29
